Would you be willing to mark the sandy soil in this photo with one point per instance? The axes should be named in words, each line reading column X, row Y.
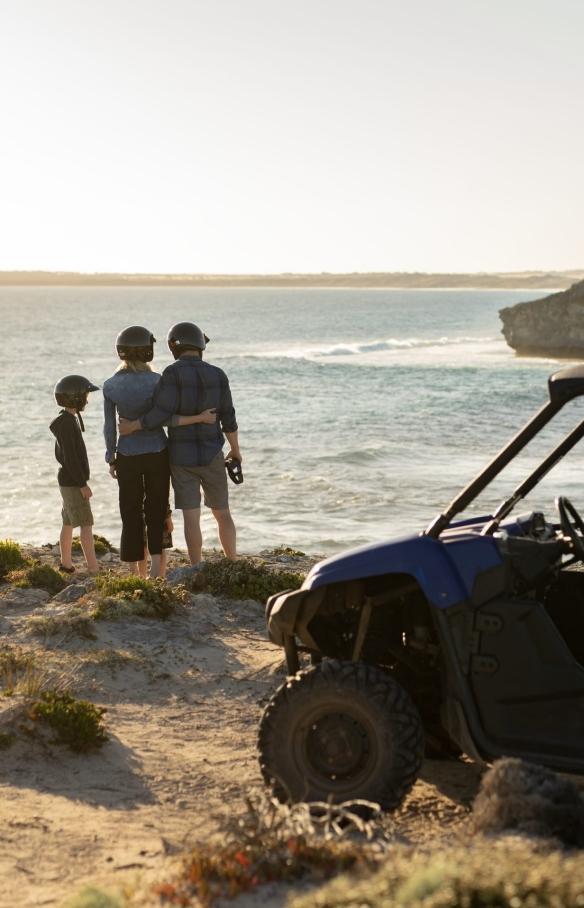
column 183, row 700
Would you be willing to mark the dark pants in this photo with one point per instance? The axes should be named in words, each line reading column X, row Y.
column 143, row 481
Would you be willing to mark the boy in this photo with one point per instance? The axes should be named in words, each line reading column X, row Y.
column 71, row 394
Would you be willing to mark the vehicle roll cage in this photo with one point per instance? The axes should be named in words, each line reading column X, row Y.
column 563, row 387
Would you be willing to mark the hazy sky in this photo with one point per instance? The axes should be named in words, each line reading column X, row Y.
column 291, row 135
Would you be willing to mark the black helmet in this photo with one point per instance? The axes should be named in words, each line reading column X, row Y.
column 185, row 336
column 136, row 342
column 72, row 390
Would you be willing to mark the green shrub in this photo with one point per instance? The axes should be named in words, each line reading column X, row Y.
column 75, row 621
column 39, row 576
column 285, row 550
column 502, row 873
column 243, row 579
column 11, row 558
column 133, row 595
column 7, row 739
column 101, row 544
column 77, row 723
column 91, row 897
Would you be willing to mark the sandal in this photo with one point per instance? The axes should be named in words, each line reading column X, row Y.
column 66, row 570
column 233, row 467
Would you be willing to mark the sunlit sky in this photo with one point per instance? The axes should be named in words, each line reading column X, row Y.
column 265, row 136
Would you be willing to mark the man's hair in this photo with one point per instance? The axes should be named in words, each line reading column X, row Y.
column 186, row 348
column 73, row 401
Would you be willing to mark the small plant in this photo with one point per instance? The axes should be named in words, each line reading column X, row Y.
column 101, row 544
column 7, row 739
column 276, row 842
column 243, row 579
column 133, row 595
column 91, row 897
column 77, row 723
column 11, row 558
column 39, row 576
column 285, row 550
column 75, row 621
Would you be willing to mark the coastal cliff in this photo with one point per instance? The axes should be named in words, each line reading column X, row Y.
column 553, row 326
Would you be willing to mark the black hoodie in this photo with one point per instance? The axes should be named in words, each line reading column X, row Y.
column 70, row 451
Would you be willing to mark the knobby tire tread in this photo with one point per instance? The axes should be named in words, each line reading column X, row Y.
column 391, row 701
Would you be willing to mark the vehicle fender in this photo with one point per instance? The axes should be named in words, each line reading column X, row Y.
column 422, row 557
column 290, row 613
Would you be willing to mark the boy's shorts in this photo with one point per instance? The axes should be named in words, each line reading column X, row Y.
column 76, row 509
column 187, row 482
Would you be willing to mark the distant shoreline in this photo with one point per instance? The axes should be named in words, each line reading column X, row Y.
column 525, row 280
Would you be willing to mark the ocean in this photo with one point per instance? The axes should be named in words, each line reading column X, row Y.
column 361, row 412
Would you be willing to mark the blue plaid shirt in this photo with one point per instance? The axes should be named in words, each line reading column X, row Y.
column 187, row 387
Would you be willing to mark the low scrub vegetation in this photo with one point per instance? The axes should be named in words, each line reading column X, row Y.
column 123, row 597
column 40, row 577
column 75, row 621
column 76, row 723
column 243, row 579
column 285, row 550
column 275, row 842
column 11, row 558
column 501, row 874
column 92, row 897
column 101, row 544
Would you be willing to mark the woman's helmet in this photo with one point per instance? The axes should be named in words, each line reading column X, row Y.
column 136, row 342
column 185, row 336
column 72, row 390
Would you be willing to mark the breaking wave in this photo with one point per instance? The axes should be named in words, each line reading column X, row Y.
column 376, row 346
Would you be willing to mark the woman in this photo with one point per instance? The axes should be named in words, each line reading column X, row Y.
column 140, row 462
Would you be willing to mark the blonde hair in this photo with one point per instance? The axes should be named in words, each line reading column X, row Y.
column 136, row 365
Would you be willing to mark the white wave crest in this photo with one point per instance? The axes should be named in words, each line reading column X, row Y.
column 376, row 346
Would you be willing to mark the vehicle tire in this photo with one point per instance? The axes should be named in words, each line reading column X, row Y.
column 341, row 729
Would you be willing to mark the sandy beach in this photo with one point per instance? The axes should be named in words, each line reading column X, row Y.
column 183, row 699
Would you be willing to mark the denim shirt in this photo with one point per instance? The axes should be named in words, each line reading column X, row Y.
column 132, row 393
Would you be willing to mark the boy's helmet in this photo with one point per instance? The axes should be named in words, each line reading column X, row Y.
column 72, row 390
column 136, row 342
column 185, row 336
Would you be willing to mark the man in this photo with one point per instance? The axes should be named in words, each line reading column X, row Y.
column 188, row 387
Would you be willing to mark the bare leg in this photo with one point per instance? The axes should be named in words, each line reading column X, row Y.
column 162, row 563
column 227, row 533
column 140, row 568
column 86, row 537
column 155, row 566
column 193, row 536
column 65, row 544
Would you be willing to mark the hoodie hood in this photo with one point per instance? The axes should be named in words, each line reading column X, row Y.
column 58, row 421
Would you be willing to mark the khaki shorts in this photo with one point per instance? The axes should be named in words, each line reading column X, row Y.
column 76, row 509
column 187, row 482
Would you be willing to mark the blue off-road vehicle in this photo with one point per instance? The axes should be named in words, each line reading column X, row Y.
column 468, row 638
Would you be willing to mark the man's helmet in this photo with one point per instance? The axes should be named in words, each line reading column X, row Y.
column 185, row 336
column 72, row 390
column 136, row 342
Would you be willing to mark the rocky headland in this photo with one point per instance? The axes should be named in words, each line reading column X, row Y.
column 552, row 326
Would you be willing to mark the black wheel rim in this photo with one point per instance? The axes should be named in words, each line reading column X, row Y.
column 338, row 747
